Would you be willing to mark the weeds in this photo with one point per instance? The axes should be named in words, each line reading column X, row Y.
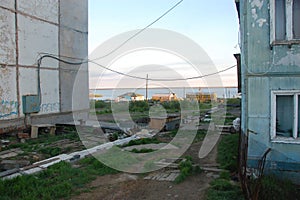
column 142, row 141
column 222, row 189
column 275, row 189
column 58, row 181
column 228, row 152
column 142, row 150
column 187, row 169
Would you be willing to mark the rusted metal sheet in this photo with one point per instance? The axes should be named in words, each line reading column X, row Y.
column 43, row 9
column 7, row 37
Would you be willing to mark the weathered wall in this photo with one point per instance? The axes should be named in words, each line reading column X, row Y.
column 30, row 27
column 74, row 33
column 265, row 68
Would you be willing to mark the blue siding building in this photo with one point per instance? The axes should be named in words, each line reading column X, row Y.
column 270, row 67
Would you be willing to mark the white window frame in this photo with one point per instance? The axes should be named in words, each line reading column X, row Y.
column 274, row 138
column 289, row 23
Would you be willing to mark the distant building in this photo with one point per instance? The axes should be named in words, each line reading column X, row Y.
column 202, row 97
column 165, row 97
column 130, row 96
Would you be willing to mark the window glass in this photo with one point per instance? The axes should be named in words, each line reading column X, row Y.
column 296, row 19
column 280, row 20
column 284, row 115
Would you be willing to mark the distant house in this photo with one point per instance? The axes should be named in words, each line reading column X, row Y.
column 270, row 67
column 130, row 96
column 164, row 97
column 202, row 97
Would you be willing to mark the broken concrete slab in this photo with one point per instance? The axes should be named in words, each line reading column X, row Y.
column 32, row 171
column 12, row 164
column 10, row 153
column 9, row 172
column 11, row 176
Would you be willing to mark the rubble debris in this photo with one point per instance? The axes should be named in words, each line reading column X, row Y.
column 12, row 164
column 10, row 153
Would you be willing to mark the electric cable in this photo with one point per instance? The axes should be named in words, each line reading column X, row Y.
column 139, row 32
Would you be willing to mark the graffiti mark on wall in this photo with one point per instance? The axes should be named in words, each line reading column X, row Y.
column 50, row 107
column 8, row 108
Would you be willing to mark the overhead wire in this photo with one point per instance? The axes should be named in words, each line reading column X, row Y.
column 139, row 32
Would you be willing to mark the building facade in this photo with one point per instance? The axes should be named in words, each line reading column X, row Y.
column 130, row 96
column 270, row 66
column 165, row 97
column 202, row 97
column 32, row 27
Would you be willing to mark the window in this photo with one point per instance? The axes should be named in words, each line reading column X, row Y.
column 285, row 23
column 285, row 116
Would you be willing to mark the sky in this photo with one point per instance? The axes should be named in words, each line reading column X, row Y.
column 212, row 25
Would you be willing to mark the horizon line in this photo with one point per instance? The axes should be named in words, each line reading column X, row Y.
column 164, row 88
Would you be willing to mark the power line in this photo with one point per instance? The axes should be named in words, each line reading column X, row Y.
column 128, row 75
column 140, row 31
column 163, row 80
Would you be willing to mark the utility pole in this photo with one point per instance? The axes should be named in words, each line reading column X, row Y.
column 147, row 88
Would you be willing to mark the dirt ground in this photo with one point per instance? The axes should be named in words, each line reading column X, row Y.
column 133, row 187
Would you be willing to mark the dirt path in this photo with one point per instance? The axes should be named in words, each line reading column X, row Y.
column 134, row 187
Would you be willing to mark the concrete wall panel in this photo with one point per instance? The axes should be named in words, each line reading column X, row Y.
column 8, row 95
column 8, row 4
column 44, row 9
column 80, row 100
column 49, row 88
column 34, row 37
column 74, row 14
column 7, row 37
column 72, row 45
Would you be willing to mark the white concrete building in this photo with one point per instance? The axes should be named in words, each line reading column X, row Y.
column 29, row 27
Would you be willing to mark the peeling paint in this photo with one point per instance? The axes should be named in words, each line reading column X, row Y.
column 254, row 14
column 261, row 22
column 290, row 59
column 257, row 3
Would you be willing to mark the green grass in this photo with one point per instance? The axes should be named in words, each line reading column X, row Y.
column 222, row 189
column 142, row 150
column 186, row 169
column 228, row 152
column 58, row 181
column 142, row 141
column 40, row 144
column 274, row 189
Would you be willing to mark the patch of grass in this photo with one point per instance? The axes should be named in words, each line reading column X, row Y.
column 142, row 141
column 274, row 189
column 186, row 169
column 51, row 151
column 200, row 135
column 228, row 152
column 142, row 150
column 58, row 181
column 221, row 189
